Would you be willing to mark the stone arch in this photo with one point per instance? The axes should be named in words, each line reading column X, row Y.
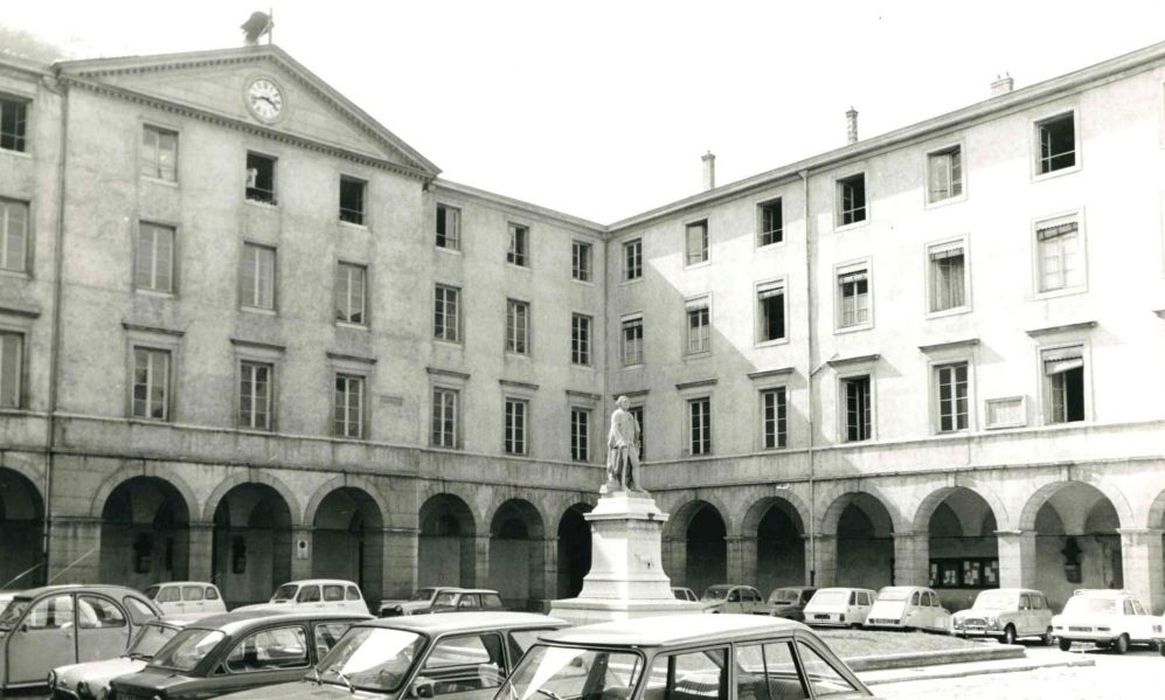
column 1031, row 507
column 447, row 541
column 574, row 549
column 531, row 512
column 773, row 543
column 143, row 469
column 145, row 532
column 958, row 554
column 517, row 554
column 928, row 504
column 678, row 518
column 861, row 528
column 348, row 537
column 22, row 514
column 253, row 477
column 355, row 481
column 251, row 543
column 828, row 520
column 695, row 547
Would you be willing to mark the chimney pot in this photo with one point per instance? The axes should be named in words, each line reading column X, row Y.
column 709, row 170
column 1002, row 85
column 851, row 125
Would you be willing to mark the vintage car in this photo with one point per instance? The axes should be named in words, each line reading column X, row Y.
column 467, row 600
column 421, row 602
column 418, row 656
column 731, row 598
column 789, row 601
column 90, row 680
column 909, row 607
column 1107, row 618
column 236, row 651
column 51, row 626
column 315, row 594
column 682, row 593
column 1006, row 614
column 187, row 598
column 683, row 657
column 839, row 607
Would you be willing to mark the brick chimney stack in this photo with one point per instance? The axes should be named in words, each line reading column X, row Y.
column 709, row 170
column 1002, row 85
column 851, row 125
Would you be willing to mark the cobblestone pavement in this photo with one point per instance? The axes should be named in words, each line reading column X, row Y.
column 1137, row 674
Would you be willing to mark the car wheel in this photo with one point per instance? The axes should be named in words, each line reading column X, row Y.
column 1047, row 638
column 1122, row 644
column 1009, row 635
column 1065, row 644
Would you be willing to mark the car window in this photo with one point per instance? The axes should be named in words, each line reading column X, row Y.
column 491, row 601
column 326, row 636
column 152, row 592
column 268, row 650
column 193, row 593
column 464, row 663
column 211, row 593
column 821, row 675
column 446, row 599
column 139, row 612
column 915, row 599
column 169, row 594
column 1129, row 608
column 523, row 640
column 1137, row 609
column 99, row 613
column 1038, row 602
column 308, row 594
column 51, row 613
column 353, row 593
column 767, row 672
column 806, row 595
column 333, row 593
column 932, row 599
column 695, row 674
column 469, row 601
column 734, row 596
column 864, row 598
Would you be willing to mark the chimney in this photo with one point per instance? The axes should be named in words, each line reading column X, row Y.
column 709, row 170
column 851, row 125
column 1002, row 85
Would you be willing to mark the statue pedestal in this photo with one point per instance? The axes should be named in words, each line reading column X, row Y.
column 626, row 579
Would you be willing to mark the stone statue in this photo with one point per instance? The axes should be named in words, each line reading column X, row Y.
column 622, row 450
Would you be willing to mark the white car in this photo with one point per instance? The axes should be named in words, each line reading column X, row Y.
column 315, row 594
column 192, row 598
column 729, row 598
column 909, row 607
column 1107, row 618
column 1006, row 614
column 839, row 607
column 91, row 679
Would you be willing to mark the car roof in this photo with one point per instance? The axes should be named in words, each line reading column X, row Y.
column 241, row 620
column 902, row 588
column 469, row 590
column 182, row 583
column 730, row 585
column 317, row 581
column 795, row 588
column 672, row 630
column 1101, row 593
column 445, row 623
column 846, row 588
column 107, row 589
column 1012, row 590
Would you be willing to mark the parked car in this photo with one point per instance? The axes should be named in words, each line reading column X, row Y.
column 909, row 607
column 236, row 651
column 187, row 598
column 315, row 594
column 90, row 680
column 51, row 626
column 839, row 607
column 1107, row 618
column 731, row 598
column 732, row 657
column 789, row 601
column 1006, row 614
column 682, row 593
column 421, row 601
column 467, row 600
column 418, row 656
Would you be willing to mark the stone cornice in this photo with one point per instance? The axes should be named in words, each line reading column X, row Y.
column 696, row 384
column 949, row 345
column 343, row 357
column 631, row 394
column 767, row 373
column 586, row 395
column 1064, row 328
column 854, row 360
column 243, row 342
column 521, row 386
column 142, row 328
column 6, row 309
column 439, row 372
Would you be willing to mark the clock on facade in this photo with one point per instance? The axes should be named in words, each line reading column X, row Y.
column 265, row 99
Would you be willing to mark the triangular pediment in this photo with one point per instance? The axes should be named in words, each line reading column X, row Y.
column 219, row 83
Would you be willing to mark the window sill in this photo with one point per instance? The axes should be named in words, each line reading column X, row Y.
column 946, row 201
column 774, row 244
column 1057, row 293
column 842, row 228
column 637, row 365
column 261, row 204
column 16, row 154
column 1041, row 177
column 588, row 367
column 16, row 274
column 160, row 181
column 853, row 329
column 511, row 354
column 352, row 326
column 772, row 343
column 259, row 310
column 154, row 293
column 449, row 343
column 697, row 266
column 516, row 266
column 957, row 311
column 446, row 250
column 589, row 283
column 628, row 282
column 702, row 355
column 353, row 226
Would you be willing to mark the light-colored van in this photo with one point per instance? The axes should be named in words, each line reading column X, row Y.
column 192, row 598
column 909, row 607
column 315, row 594
column 839, row 607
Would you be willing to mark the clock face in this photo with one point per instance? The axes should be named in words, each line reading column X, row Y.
column 265, row 99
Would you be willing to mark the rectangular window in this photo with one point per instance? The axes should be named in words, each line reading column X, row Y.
column 858, row 416
column 348, row 409
column 696, row 237
column 700, row 426
column 519, row 241
column 947, row 278
column 255, row 395
column 517, row 326
column 1064, row 384
column 853, row 289
column 633, row 259
column 944, row 170
column 951, row 383
column 446, row 314
column 351, row 291
column 580, row 339
column 159, row 157
column 515, row 427
column 774, row 417
column 154, row 258
column 151, row 384
column 11, row 368
column 632, row 342
column 13, row 124
column 851, row 196
column 580, row 261
column 637, row 411
column 352, row 191
column 257, row 277
column 1057, row 143
column 1059, row 255
column 772, row 223
column 448, row 227
column 260, row 178
column 580, row 431
column 444, row 418
column 699, row 327
column 13, row 235
column 770, row 300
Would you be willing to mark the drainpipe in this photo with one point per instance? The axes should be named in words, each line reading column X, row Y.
column 810, row 353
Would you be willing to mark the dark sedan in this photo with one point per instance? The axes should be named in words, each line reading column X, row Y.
column 236, row 651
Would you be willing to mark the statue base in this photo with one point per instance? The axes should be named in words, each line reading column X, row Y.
column 626, row 579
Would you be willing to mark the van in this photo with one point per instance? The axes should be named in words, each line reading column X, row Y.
column 187, row 598
column 839, row 607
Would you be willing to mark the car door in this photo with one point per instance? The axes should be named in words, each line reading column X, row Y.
column 1023, row 616
column 732, row 603
column 325, row 635
column 309, row 597
column 462, row 666
column 469, row 602
column 940, row 619
column 44, row 639
column 103, row 629
column 193, row 599
column 213, row 601
column 334, row 596
column 354, row 601
column 276, row 654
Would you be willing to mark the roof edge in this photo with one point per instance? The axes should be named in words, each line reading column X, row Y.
column 520, row 205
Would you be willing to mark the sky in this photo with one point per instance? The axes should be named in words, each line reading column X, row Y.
column 602, row 109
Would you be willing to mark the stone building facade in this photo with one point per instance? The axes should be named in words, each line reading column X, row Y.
column 250, row 335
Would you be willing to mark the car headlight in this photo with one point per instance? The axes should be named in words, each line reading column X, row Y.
column 52, row 679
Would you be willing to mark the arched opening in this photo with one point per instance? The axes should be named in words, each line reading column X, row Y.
column 252, row 543
column 347, row 540
column 963, row 546
column 21, row 531
column 145, row 533
column 780, row 545
column 707, row 550
column 446, row 549
column 865, row 543
column 1077, row 543
column 517, row 558
column 574, row 550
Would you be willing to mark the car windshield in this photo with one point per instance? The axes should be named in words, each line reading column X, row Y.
column 782, row 595
column 423, row 594
column 152, row 638
column 186, row 649
column 570, row 672
column 995, row 600
column 1084, row 605
column 13, row 612
column 284, row 593
column 830, row 598
column 152, row 592
column 896, row 595
column 372, row 658
column 716, row 593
